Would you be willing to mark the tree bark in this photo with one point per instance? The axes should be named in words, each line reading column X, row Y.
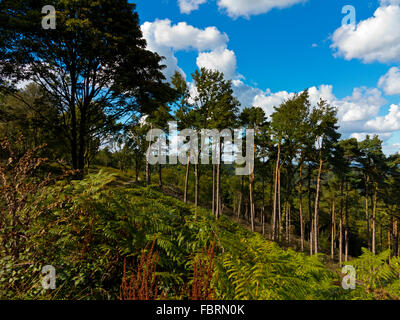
column 213, row 210
column 301, row 207
column 367, row 211
column 375, row 199
column 346, row 228
column 340, row 239
column 316, row 208
column 160, row 175
column 274, row 212
column 196, row 185
column 263, row 206
column 279, row 205
column 148, row 177
column 186, row 178
column 333, row 228
column 74, row 133
column 252, row 213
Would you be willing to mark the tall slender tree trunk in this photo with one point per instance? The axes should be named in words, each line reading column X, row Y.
column 340, row 239
column 74, row 131
column 287, row 222
column 148, row 174
column 240, row 199
column 310, row 218
column 196, row 185
column 263, row 206
column 213, row 190
column 279, row 206
column 218, row 193
column 375, row 200
column 274, row 212
column 160, row 184
column 333, row 228
column 301, row 207
column 395, row 237
column 311, row 237
column 186, row 178
column 316, row 208
column 367, row 211
column 252, row 209
column 390, row 234
column 346, row 228
column 82, row 140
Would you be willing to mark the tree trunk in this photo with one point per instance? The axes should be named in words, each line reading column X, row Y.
column 367, row 212
column 279, row 205
column 340, row 239
column 274, row 212
column 390, row 228
column 375, row 199
column 218, row 197
column 333, row 228
column 196, row 185
column 316, row 208
column 346, row 228
column 263, row 206
column 311, row 235
column 301, row 207
column 82, row 142
column 252, row 213
column 213, row 210
column 74, row 131
column 148, row 177
column 186, row 178
column 395, row 238
column 239, row 206
column 160, row 175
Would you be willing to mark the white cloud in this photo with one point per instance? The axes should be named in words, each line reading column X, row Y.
column 387, row 123
column 165, row 38
column 390, row 82
column 363, row 104
column 357, row 114
column 246, row 8
column 360, row 136
column 389, row 2
column 374, row 39
column 223, row 60
column 237, row 8
column 187, row 6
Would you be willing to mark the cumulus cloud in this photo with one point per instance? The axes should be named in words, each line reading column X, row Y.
column 223, row 60
column 390, row 82
column 237, row 8
column 165, row 38
column 373, row 39
column 357, row 114
column 187, row 6
column 362, row 135
column 389, row 2
column 246, row 8
column 388, row 123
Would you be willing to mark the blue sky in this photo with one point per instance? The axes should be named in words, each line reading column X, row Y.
column 273, row 48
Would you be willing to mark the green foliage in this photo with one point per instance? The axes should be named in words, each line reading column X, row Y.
column 378, row 276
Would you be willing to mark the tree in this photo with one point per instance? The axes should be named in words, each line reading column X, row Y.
column 214, row 108
column 95, row 59
column 323, row 123
column 159, row 118
column 183, row 115
column 253, row 118
column 349, row 152
column 288, row 128
column 372, row 160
